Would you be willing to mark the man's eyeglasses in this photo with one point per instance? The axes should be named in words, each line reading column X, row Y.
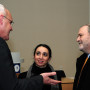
column 11, row 22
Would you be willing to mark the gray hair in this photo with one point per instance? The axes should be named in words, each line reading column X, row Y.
column 2, row 10
column 88, row 27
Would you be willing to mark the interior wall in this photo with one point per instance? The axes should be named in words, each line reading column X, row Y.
column 89, row 11
column 53, row 22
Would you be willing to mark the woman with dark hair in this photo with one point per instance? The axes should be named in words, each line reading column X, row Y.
column 42, row 56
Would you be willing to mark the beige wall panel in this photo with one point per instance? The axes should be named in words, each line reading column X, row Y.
column 53, row 22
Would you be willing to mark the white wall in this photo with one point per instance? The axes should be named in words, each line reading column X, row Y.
column 54, row 22
column 89, row 11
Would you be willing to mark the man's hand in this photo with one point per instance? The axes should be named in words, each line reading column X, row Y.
column 47, row 80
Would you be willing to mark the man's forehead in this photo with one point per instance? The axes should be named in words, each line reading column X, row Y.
column 8, row 14
column 83, row 29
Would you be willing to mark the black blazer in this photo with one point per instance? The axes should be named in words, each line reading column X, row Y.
column 8, row 79
column 84, row 82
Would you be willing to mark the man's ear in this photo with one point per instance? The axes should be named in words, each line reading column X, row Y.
column 1, row 19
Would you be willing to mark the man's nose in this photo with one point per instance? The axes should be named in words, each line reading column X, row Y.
column 78, row 38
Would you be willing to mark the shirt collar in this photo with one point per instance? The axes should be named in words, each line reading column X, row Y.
column 88, row 55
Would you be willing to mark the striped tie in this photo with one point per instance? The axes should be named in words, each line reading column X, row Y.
column 82, row 70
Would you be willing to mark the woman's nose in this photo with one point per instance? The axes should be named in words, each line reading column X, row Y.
column 41, row 56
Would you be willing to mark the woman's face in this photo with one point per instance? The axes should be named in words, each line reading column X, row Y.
column 41, row 56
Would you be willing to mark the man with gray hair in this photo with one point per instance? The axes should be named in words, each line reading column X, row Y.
column 8, row 79
column 82, row 77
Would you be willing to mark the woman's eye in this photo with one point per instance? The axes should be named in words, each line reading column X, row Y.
column 38, row 53
column 45, row 54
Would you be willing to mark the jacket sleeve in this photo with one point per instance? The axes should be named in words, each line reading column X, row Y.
column 34, row 83
column 8, row 79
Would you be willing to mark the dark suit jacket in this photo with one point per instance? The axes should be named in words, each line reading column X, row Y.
column 8, row 79
column 84, row 82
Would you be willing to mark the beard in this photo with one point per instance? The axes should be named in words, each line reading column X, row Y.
column 83, row 48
